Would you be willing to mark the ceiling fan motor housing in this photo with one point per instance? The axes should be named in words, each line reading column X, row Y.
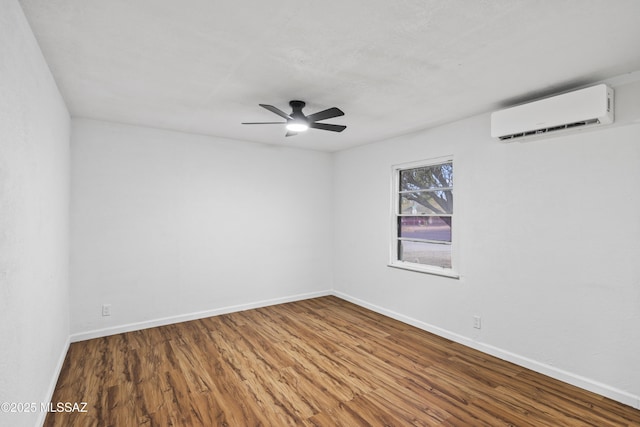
column 296, row 110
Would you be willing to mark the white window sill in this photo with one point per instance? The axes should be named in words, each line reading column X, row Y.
column 437, row 271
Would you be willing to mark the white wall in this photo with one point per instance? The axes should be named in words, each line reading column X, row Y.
column 34, row 200
column 549, row 246
column 167, row 226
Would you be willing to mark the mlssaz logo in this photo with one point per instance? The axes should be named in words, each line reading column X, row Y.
column 65, row 407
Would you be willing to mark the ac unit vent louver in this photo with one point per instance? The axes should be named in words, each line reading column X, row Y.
column 577, row 109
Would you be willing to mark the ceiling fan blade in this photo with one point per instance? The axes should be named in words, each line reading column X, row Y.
column 325, row 114
column 264, row 123
column 326, row 126
column 276, row 111
column 289, row 133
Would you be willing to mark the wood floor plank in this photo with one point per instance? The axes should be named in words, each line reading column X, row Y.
column 409, row 407
column 318, row 362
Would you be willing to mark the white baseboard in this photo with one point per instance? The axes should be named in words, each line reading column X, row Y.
column 559, row 374
column 97, row 333
column 54, row 381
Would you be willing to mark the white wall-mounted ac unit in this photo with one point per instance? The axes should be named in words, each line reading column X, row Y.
column 572, row 110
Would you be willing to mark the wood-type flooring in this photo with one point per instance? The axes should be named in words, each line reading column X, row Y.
column 317, row 362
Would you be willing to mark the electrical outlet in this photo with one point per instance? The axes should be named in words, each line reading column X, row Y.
column 106, row 309
column 477, row 323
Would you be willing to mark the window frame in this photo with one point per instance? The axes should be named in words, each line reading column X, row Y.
column 396, row 194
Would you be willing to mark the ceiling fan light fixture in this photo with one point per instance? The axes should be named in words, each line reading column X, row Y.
column 297, row 126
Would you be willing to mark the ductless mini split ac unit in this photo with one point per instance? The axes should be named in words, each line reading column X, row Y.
column 572, row 110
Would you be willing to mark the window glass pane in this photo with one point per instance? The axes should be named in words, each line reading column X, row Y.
column 427, row 202
column 434, row 176
column 425, row 227
column 424, row 206
column 425, row 253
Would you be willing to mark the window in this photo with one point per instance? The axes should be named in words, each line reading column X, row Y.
column 422, row 220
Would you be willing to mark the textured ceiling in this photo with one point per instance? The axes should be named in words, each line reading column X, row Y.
column 394, row 67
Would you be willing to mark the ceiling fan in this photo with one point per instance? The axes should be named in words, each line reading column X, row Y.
column 297, row 122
